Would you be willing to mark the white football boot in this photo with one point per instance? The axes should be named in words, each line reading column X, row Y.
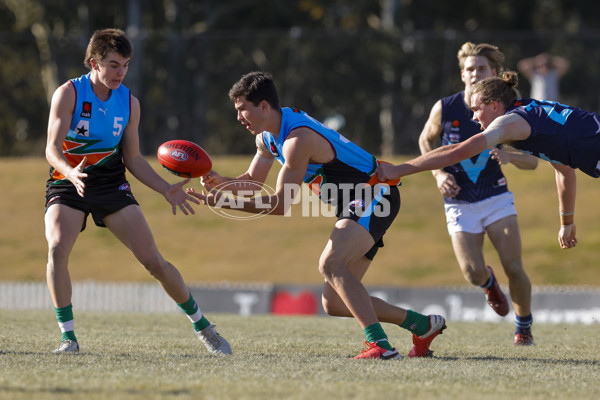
column 214, row 342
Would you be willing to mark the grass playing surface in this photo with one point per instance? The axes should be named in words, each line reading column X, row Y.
column 157, row 356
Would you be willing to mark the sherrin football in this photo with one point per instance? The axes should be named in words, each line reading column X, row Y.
column 184, row 158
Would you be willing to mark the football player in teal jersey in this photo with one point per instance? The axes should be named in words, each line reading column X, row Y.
column 92, row 139
column 343, row 174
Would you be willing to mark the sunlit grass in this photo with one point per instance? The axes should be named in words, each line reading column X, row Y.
column 156, row 356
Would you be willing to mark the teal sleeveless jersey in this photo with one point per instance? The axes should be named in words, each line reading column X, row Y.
column 95, row 132
column 351, row 164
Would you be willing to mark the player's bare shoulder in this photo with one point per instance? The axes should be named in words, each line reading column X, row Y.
column 64, row 95
column 310, row 144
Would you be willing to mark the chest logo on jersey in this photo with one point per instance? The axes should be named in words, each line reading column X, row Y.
column 454, row 137
column 274, row 149
column 86, row 110
column 455, row 126
column 83, row 128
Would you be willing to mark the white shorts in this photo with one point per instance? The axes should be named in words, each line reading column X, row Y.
column 475, row 217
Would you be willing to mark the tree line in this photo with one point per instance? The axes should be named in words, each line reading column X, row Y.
column 371, row 68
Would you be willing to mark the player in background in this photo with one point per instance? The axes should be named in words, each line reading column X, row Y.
column 476, row 196
column 565, row 136
column 92, row 138
column 343, row 174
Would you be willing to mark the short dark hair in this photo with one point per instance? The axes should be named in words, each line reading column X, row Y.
column 256, row 86
column 104, row 41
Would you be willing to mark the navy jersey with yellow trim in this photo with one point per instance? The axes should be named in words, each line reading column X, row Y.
column 95, row 132
column 560, row 134
column 351, row 165
column 479, row 177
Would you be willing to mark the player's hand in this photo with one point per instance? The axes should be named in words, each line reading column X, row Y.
column 179, row 198
column 446, row 184
column 211, row 180
column 387, row 172
column 208, row 199
column 503, row 157
column 76, row 176
column 566, row 236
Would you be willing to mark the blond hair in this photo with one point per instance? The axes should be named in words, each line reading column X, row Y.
column 494, row 56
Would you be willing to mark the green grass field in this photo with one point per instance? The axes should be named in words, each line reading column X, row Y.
column 158, row 357
column 209, row 248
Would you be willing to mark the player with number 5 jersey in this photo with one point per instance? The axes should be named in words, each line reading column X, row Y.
column 92, row 139
column 95, row 132
column 567, row 137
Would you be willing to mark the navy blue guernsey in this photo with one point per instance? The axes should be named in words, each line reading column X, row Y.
column 479, row 177
column 560, row 134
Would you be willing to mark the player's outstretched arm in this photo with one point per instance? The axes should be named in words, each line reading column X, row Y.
column 439, row 158
column 143, row 171
column 566, row 186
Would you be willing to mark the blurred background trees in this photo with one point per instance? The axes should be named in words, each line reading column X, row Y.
column 371, row 68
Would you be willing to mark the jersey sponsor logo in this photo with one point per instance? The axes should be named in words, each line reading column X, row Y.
column 358, row 203
column 178, row 155
column 455, row 126
column 273, row 149
column 86, row 110
column 501, row 182
column 454, row 137
column 125, row 187
column 83, row 128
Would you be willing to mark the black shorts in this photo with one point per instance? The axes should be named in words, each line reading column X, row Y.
column 375, row 208
column 100, row 201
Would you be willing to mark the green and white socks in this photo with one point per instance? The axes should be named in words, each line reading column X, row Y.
column 191, row 309
column 375, row 334
column 417, row 323
column 66, row 324
column 64, row 317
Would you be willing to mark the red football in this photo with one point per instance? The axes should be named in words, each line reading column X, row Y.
column 184, row 158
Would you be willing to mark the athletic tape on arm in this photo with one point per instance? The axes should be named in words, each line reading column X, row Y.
column 493, row 134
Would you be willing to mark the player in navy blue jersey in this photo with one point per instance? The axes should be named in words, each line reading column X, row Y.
column 567, row 137
column 343, row 174
column 92, row 139
column 476, row 196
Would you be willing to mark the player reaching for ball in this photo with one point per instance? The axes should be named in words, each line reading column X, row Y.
column 565, row 136
column 92, row 138
column 344, row 176
column 476, row 196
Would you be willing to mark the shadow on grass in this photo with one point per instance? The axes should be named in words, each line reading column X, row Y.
column 567, row 361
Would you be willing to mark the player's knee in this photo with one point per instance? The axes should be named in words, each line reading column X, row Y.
column 514, row 270
column 328, row 267
column 476, row 276
column 155, row 265
column 57, row 255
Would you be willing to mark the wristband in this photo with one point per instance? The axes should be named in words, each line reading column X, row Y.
column 565, row 214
